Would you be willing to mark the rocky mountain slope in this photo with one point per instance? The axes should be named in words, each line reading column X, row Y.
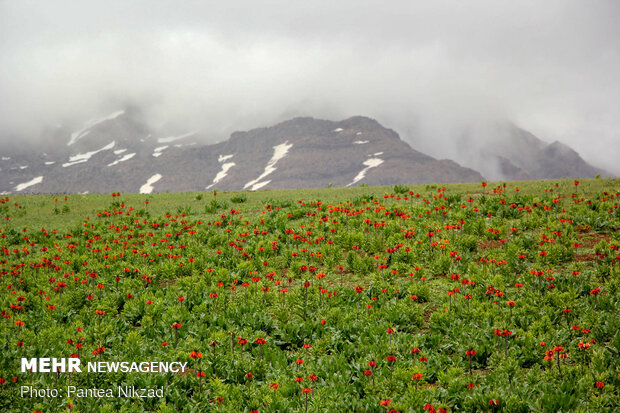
column 120, row 153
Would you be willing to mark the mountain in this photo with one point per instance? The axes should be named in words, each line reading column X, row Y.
column 119, row 152
column 503, row 151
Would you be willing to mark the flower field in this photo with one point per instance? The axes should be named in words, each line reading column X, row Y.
column 464, row 297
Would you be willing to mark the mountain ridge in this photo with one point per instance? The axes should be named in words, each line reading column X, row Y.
column 119, row 152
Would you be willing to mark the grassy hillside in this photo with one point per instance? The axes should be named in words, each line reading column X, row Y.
column 460, row 297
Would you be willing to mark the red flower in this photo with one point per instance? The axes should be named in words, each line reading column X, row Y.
column 385, row 402
column 372, row 364
column 600, row 384
column 390, row 359
column 368, row 373
column 470, row 353
column 306, row 390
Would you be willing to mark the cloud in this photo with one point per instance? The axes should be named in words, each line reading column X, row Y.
column 429, row 70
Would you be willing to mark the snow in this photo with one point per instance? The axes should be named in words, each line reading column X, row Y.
column 50, row 163
column 157, row 151
column 279, row 152
column 119, row 151
column 260, row 185
column 84, row 157
column 378, row 153
column 225, row 167
column 358, row 133
column 174, row 138
column 338, row 130
column 360, row 142
column 123, row 159
column 369, row 163
column 75, row 136
column 33, row 181
column 222, row 174
column 6, row 158
column 23, row 167
column 147, row 188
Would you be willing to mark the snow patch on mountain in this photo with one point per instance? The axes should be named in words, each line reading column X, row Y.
column 147, row 188
column 223, row 158
column 84, row 157
column 157, row 151
column 175, row 138
column 369, row 163
column 33, row 181
column 123, row 159
column 221, row 174
column 360, row 142
column 77, row 135
column 119, row 151
column 279, row 152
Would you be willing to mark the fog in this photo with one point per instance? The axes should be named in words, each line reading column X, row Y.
column 428, row 70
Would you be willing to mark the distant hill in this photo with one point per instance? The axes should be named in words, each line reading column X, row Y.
column 503, row 151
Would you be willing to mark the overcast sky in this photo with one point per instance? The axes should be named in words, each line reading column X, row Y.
column 427, row 69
